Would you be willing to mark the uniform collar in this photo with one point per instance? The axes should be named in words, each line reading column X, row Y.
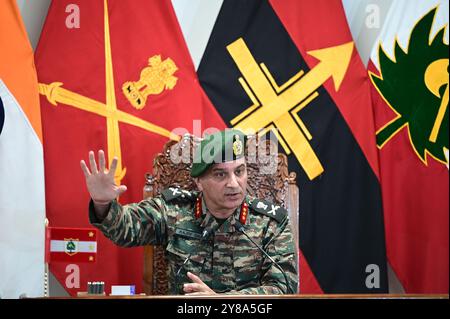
column 208, row 221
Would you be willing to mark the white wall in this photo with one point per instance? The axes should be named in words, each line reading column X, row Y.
column 33, row 15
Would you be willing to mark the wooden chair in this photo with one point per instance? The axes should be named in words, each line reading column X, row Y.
column 268, row 178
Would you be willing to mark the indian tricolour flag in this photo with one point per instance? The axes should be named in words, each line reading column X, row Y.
column 22, row 197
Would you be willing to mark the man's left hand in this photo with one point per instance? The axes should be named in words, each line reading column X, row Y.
column 197, row 287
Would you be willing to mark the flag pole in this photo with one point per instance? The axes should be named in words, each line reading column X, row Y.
column 46, row 283
column 46, row 280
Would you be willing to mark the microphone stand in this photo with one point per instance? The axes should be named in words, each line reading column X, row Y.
column 240, row 228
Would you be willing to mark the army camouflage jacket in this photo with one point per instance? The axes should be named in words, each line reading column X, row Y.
column 226, row 260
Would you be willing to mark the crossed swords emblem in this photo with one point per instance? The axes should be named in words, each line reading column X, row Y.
column 272, row 211
column 276, row 107
column 55, row 94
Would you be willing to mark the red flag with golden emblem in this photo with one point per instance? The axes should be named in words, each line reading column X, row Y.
column 114, row 75
column 71, row 245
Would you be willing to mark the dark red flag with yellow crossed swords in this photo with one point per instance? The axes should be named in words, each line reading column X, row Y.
column 113, row 75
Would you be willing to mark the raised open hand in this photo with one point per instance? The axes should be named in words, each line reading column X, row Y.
column 100, row 181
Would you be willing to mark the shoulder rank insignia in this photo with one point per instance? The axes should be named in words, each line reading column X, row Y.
column 198, row 207
column 244, row 213
column 172, row 193
column 267, row 208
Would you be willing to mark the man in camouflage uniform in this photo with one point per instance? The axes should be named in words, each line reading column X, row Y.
column 201, row 231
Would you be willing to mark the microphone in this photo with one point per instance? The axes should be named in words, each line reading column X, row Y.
column 241, row 229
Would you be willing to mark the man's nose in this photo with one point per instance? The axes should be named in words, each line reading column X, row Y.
column 232, row 181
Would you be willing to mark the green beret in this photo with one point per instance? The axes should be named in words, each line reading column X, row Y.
column 220, row 147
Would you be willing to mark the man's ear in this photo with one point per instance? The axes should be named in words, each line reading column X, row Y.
column 198, row 183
